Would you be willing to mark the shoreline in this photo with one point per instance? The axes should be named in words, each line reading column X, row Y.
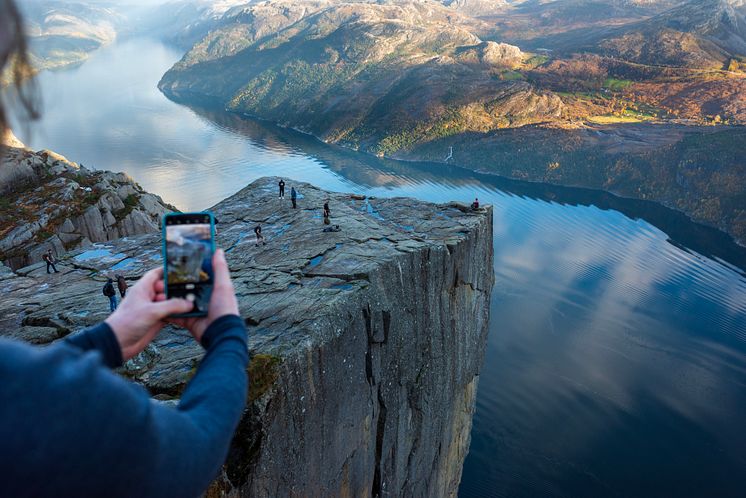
column 454, row 164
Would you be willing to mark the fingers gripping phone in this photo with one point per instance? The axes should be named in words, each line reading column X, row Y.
column 188, row 246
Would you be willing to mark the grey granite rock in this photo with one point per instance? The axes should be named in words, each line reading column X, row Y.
column 366, row 343
column 59, row 205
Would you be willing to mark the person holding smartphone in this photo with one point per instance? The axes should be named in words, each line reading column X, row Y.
column 72, row 427
column 69, row 426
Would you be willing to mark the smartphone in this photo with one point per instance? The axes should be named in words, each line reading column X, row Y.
column 188, row 246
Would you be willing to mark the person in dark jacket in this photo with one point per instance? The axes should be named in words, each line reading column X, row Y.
column 259, row 236
column 294, row 197
column 109, row 292
column 282, row 189
column 121, row 285
column 71, row 427
column 327, row 213
column 50, row 260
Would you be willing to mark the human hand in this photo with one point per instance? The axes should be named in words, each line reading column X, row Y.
column 222, row 302
column 141, row 314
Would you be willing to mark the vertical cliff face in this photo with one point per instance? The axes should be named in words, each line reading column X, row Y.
column 366, row 343
column 382, row 406
column 377, row 396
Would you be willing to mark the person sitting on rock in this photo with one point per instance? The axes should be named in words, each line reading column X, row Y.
column 109, row 292
column 294, row 197
column 121, row 285
column 50, row 260
column 259, row 236
column 475, row 204
column 282, row 188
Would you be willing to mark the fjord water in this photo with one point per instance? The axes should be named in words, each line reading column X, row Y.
column 616, row 360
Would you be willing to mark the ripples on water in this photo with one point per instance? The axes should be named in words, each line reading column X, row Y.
column 615, row 364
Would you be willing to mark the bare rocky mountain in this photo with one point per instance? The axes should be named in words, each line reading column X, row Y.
column 49, row 202
column 697, row 34
column 374, row 76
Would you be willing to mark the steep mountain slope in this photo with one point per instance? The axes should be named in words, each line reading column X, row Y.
column 375, row 76
column 698, row 33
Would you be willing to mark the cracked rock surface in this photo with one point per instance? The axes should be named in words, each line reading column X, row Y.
column 366, row 343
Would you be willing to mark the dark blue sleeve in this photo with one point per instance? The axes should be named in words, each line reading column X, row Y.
column 99, row 338
column 209, row 411
column 71, row 427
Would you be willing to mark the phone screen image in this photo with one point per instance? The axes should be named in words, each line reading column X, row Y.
column 189, row 246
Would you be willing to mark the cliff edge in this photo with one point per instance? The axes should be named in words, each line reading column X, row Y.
column 366, row 344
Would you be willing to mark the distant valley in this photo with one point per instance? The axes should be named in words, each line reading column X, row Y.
column 62, row 34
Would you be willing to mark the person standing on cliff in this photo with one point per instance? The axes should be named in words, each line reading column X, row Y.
column 50, row 260
column 109, row 292
column 327, row 213
column 294, row 197
column 282, row 188
column 121, row 285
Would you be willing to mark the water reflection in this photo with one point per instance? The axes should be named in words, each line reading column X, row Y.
column 616, row 362
column 441, row 182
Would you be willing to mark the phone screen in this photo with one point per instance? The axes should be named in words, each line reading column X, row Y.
column 189, row 246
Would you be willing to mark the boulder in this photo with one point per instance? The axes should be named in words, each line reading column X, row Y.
column 137, row 222
column 125, row 191
column 91, row 224
column 67, row 226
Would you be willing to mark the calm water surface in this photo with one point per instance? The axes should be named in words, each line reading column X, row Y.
column 616, row 362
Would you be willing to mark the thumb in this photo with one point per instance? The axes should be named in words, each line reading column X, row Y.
column 170, row 307
column 220, row 269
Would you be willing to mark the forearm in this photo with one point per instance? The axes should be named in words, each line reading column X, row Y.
column 100, row 338
column 220, row 384
column 196, row 436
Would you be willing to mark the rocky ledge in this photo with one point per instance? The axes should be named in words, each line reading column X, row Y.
column 48, row 202
column 366, row 344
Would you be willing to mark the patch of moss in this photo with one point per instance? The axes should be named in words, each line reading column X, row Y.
column 44, row 235
column 262, row 374
column 130, row 203
column 536, row 61
column 616, row 85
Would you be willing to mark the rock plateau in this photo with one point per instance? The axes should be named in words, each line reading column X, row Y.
column 366, row 343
